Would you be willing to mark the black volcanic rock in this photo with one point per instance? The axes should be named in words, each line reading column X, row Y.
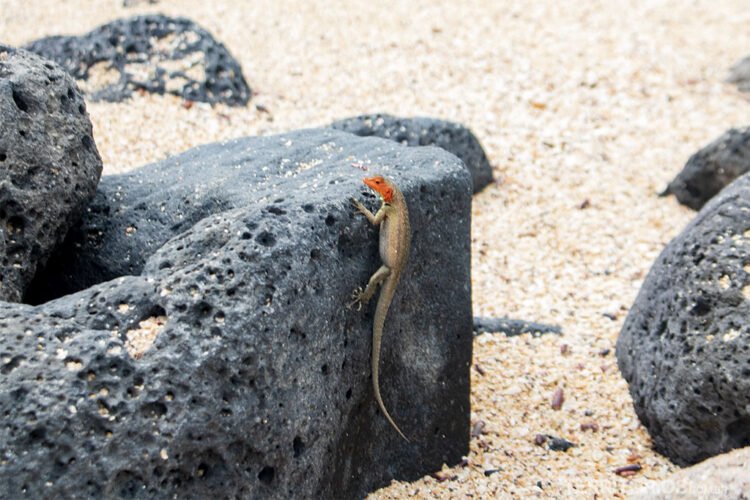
column 512, row 327
column 154, row 53
column 228, row 363
column 712, row 168
column 423, row 131
column 49, row 165
column 685, row 346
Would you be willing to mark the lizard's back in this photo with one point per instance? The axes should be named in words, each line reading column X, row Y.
column 395, row 235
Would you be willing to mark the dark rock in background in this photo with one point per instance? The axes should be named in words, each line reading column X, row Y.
column 512, row 327
column 739, row 74
column 685, row 345
column 453, row 137
column 155, row 53
column 258, row 380
column 709, row 170
column 49, row 165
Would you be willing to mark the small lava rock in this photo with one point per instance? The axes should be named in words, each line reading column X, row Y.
column 152, row 53
column 712, row 168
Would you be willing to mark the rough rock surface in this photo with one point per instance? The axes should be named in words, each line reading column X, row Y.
column 685, row 345
column 739, row 74
column 155, row 53
column 230, row 363
column 709, row 170
column 49, row 165
column 512, row 327
column 726, row 476
column 453, row 137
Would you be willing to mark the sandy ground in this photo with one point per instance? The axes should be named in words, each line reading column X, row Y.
column 586, row 111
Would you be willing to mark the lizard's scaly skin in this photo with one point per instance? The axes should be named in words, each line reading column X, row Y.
column 395, row 241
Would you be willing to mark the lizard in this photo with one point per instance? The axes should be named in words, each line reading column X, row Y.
column 395, row 241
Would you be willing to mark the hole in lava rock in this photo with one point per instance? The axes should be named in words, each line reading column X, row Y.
column 266, row 475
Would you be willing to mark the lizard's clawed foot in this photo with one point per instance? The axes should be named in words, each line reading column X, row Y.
column 357, row 298
column 357, row 205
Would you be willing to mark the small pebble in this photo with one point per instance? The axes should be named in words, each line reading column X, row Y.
column 558, row 398
column 540, row 439
column 478, row 428
column 560, row 444
column 590, row 426
column 628, row 470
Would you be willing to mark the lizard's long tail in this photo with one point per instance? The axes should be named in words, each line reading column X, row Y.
column 384, row 302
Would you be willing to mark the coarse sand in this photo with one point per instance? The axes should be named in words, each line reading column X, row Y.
column 586, row 110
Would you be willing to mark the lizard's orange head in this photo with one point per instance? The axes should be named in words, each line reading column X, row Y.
column 381, row 186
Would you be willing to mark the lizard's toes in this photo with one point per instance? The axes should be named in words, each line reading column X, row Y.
column 356, row 298
column 360, row 207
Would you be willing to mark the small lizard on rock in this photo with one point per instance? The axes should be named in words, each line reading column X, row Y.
column 395, row 240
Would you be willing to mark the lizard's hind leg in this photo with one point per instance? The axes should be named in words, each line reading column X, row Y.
column 363, row 296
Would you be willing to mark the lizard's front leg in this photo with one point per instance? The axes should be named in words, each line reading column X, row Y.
column 374, row 219
column 363, row 296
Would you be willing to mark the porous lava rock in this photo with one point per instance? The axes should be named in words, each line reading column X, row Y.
column 151, row 53
column 712, row 168
column 227, row 361
column 685, row 345
column 49, row 164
